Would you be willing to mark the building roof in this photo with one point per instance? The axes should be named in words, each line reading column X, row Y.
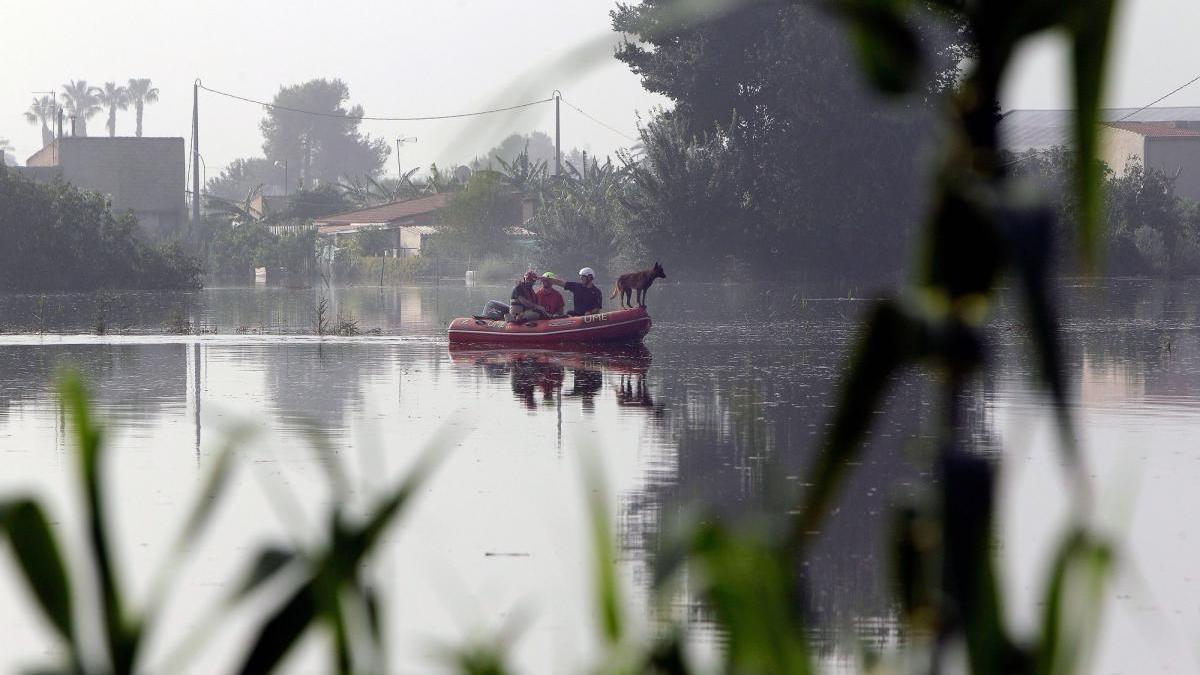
column 1022, row 130
column 387, row 214
column 1156, row 129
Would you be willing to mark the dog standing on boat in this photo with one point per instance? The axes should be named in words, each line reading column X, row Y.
column 637, row 281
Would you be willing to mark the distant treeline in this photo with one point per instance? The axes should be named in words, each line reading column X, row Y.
column 1149, row 229
column 57, row 237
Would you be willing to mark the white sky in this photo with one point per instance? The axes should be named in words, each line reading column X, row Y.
column 406, row 58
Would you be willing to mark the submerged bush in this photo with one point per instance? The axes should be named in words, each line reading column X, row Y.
column 57, row 237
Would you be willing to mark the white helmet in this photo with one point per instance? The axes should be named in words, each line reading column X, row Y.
column 587, row 272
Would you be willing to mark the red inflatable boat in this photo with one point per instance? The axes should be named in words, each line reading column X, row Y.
column 623, row 325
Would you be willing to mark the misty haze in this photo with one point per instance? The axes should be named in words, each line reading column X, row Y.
column 652, row 336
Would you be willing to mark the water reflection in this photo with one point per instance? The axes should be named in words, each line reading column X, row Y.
column 723, row 406
column 543, row 373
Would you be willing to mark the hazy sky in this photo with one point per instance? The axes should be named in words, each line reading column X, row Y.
column 406, row 58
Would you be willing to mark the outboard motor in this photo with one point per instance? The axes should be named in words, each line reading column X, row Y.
column 495, row 310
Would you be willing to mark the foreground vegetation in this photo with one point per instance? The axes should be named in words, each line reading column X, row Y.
column 56, row 237
column 983, row 226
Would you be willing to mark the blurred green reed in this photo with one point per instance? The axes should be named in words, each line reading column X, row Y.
column 984, row 226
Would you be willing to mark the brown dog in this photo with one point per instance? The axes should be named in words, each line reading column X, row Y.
column 636, row 281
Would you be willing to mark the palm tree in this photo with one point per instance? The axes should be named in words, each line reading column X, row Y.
column 81, row 102
column 6, row 149
column 141, row 93
column 42, row 110
column 113, row 97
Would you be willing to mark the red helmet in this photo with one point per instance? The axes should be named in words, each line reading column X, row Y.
column 531, row 276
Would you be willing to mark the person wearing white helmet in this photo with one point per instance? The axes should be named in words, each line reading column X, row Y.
column 588, row 298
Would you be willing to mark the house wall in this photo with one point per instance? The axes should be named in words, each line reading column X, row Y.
column 143, row 175
column 410, row 242
column 1177, row 157
column 1119, row 147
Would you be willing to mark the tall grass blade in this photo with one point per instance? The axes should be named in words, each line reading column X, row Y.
column 281, row 632
column 1090, row 29
column 121, row 642
column 41, row 561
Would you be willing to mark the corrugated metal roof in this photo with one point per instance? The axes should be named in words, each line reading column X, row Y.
column 1022, row 130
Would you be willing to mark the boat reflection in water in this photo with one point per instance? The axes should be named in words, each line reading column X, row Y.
column 543, row 372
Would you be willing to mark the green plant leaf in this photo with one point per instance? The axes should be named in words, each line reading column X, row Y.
column 1090, row 31
column 747, row 581
column 1074, row 598
column 269, row 561
column 886, row 44
column 121, row 641
column 41, row 561
column 890, row 340
column 968, row 489
column 281, row 632
column 608, row 591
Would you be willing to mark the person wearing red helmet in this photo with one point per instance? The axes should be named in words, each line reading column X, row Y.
column 524, row 305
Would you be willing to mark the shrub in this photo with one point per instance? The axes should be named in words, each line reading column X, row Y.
column 57, row 237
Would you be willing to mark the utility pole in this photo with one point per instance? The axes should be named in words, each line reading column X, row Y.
column 196, row 152
column 557, row 134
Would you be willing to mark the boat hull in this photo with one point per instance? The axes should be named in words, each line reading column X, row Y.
column 621, row 326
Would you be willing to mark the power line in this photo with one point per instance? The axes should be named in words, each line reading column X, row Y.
column 378, row 119
column 1174, row 91
column 606, row 126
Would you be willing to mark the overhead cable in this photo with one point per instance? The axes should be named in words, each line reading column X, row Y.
column 606, row 126
column 377, row 119
column 1174, row 91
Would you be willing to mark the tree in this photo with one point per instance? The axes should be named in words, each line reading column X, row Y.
column 324, row 146
column 241, row 176
column 538, row 146
column 523, row 174
column 581, row 218
column 141, row 93
column 478, row 215
column 686, row 196
column 43, row 110
column 113, row 97
column 81, row 103
column 57, row 237
column 318, row 202
column 828, row 174
column 6, row 148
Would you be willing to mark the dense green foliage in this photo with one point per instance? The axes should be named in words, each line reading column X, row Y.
column 581, row 217
column 1148, row 229
column 775, row 147
column 474, row 222
column 235, row 251
column 56, row 237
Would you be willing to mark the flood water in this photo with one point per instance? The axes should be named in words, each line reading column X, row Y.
column 721, row 407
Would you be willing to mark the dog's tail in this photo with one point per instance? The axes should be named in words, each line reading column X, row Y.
column 616, row 290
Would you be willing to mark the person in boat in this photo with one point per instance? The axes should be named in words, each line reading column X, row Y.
column 549, row 298
column 524, row 305
column 588, row 298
